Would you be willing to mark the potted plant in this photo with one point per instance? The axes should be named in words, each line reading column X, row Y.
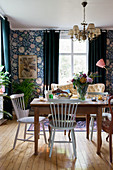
column 28, row 87
column 4, row 82
column 4, row 79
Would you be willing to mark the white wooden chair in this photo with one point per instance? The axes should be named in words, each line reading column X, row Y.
column 63, row 118
column 105, row 115
column 22, row 117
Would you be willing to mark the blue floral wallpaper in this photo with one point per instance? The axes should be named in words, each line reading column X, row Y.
column 109, row 62
column 28, row 42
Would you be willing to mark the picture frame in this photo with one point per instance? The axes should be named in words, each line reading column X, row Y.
column 27, row 66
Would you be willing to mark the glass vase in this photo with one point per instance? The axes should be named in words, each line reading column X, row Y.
column 82, row 91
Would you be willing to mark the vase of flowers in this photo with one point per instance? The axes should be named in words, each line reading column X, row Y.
column 81, row 81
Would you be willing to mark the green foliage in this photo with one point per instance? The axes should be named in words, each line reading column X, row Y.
column 28, row 87
column 8, row 115
column 4, row 77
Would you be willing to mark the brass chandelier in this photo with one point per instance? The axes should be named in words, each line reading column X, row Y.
column 90, row 33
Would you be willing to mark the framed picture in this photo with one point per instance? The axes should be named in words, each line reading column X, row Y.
column 27, row 66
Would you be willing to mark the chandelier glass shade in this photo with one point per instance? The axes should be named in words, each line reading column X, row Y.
column 90, row 32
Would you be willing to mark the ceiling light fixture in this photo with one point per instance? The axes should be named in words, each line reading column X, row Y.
column 90, row 33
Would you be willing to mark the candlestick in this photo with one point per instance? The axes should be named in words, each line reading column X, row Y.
column 45, row 87
column 48, row 87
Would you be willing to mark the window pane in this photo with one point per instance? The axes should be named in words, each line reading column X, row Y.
column 64, row 68
column 65, row 46
column 80, row 63
column 79, row 47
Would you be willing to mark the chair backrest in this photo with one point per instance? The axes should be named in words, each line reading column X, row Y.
column 63, row 112
column 19, row 106
column 98, row 87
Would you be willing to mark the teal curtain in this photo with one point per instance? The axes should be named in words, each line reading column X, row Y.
column 5, row 51
column 97, row 50
column 51, row 57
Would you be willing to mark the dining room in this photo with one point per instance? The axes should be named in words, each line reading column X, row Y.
column 56, row 84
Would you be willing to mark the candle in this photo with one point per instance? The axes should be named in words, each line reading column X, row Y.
column 42, row 88
column 48, row 87
column 45, row 87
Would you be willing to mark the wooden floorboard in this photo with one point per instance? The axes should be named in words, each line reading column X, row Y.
column 23, row 158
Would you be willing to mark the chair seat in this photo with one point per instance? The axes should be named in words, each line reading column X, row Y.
column 63, row 125
column 30, row 119
column 104, row 114
column 106, row 126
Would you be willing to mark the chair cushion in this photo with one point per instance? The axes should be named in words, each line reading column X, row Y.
column 30, row 119
column 26, row 120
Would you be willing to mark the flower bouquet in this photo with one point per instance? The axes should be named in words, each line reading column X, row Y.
column 81, row 81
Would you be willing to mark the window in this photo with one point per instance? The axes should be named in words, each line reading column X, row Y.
column 72, row 57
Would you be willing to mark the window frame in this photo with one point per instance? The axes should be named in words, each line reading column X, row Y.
column 72, row 54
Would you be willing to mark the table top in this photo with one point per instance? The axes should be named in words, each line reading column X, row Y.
column 37, row 102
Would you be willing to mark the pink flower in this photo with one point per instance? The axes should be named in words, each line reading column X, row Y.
column 89, row 80
column 72, row 80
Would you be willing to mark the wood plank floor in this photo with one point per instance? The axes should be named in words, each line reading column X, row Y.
column 23, row 158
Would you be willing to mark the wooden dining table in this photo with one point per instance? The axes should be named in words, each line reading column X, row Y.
column 87, row 107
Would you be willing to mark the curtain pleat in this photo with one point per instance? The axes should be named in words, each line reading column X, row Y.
column 97, row 50
column 51, row 57
column 5, row 52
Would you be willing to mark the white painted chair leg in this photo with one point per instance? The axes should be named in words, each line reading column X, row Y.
column 25, row 131
column 52, row 144
column 74, row 142
column 92, row 127
column 50, row 138
column 16, row 136
column 44, row 132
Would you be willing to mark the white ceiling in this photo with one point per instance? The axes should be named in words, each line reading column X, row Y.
column 58, row 14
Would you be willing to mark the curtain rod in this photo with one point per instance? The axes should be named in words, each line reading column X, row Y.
column 2, row 16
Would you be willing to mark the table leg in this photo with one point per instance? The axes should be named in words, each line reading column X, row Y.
column 99, row 125
column 87, row 125
column 36, row 129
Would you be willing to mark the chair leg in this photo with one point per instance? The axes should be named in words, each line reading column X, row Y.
column 110, row 147
column 50, row 138
column 39, row 131
column 52, row 144
column 49, row 132
column 74, row 142
column 25, row 130
column 92, row 126
column 69, row 135
column 44, row 132
column 16, row 135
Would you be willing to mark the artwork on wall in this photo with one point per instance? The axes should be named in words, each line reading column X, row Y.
column 27, row 66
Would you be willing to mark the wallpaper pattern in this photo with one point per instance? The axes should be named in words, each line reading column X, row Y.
column 109, row 62
column 27, row 43
column 31, row 43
